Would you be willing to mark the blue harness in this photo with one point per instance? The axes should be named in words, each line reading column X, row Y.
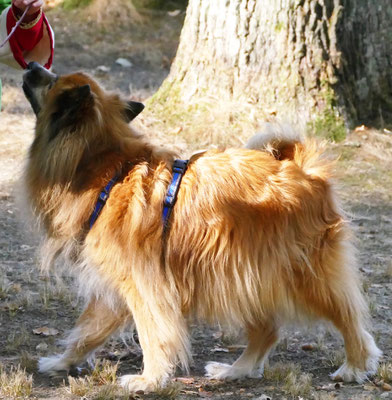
column 101, row 201
column 179, row 168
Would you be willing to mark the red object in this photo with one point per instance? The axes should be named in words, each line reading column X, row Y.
column 26, row 39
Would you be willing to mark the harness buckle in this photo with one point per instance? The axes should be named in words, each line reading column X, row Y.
column 103, row 196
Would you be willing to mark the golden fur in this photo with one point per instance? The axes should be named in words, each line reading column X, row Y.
column 256, row 239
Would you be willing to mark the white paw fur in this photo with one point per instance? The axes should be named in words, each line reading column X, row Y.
column 215, row 370
column 51, row 365
column 133, row 383
column 348, row 373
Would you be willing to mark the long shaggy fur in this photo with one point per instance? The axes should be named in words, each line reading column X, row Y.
column 256, row 239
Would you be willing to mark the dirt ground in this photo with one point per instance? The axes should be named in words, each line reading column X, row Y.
column 299, row 366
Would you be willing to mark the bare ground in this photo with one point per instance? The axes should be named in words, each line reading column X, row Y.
column 301, row 363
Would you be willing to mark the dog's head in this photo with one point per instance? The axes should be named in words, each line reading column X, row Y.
column 76, row 120
column 69, row 98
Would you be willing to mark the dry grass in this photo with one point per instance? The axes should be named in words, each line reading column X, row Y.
column 112, row 12
column 336, row 358
column 100, row 383
column 290, row 377
column 279, row 371
column 365, row 166
column 16, row 339
column 169, row 392
column 297, row 384
column 5, row 286
column 385, row 372
column 15, row 383
column 27, row 362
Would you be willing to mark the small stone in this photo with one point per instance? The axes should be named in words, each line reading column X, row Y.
column 103, row 68
column 174, row 13
column 123, row 62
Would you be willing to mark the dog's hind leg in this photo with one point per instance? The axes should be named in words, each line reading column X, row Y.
column 362, row 354
column 251, row 362
column 97, row 322
column 336, row 296
column 163, row 336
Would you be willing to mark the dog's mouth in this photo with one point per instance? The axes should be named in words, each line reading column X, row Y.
column 29, row 93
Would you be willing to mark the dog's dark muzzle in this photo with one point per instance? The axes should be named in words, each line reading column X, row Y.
column 36, row 77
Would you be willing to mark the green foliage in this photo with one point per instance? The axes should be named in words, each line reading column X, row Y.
column 4, row 4
column 329, row 124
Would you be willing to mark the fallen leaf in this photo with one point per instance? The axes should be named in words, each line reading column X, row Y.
column 45, row 331
column 386, row 386
column 204, row 393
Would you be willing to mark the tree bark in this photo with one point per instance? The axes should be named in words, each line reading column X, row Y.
column 325, row 61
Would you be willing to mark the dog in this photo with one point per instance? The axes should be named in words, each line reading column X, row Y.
column 255, row 240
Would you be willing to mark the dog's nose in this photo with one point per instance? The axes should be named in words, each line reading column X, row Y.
column 33, row 65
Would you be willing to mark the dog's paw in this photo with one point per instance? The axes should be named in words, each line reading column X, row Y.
column 215, row 370
column 52, row 365
column 346, row 373
column 133, row 383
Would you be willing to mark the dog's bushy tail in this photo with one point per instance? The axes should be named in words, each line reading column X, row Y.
column 284, row 143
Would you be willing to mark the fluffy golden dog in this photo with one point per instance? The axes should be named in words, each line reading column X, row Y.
column 256, row 238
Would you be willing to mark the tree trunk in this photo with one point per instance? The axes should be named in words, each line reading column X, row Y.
column 324, row 61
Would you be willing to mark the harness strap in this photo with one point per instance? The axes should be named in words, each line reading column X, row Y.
column 101, row 201
column 179, row 168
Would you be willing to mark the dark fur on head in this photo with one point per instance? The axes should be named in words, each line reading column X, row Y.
column 74, row 105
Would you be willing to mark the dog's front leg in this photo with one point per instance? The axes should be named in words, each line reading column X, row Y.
column 163, row 336
column 97, row 322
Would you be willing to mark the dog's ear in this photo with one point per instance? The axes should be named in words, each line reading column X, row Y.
column 132, row 110
column 70, row 105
